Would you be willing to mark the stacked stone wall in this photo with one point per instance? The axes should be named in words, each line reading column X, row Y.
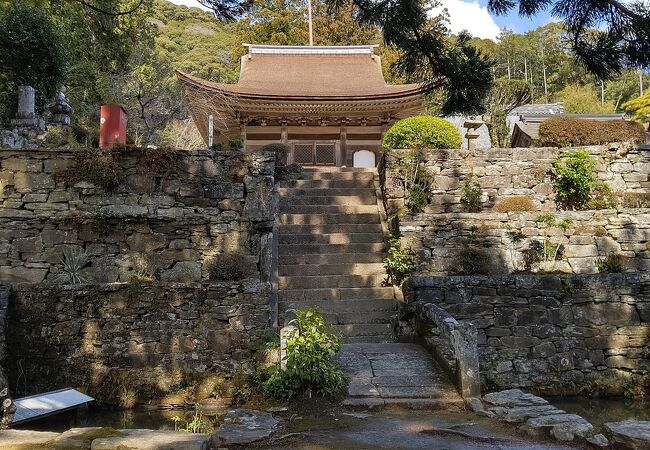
column 438, row 239
column 572, row 334
column 505, row 172
column 150, row 340
column 168, row 225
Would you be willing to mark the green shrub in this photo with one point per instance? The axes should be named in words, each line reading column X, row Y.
column 399, row 262
column 471, row 196
column 415, row 179
column 422, row 132
column 574, row 179
column 310, row 361
column 34, row 50
column 612, row 263
column 570, row 131
column 230, row 266
column 74, row 260
column 473, row 261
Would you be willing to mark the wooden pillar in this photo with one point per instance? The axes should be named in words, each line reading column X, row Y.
column 284, row 138
column 242, row 129
column 342, row 155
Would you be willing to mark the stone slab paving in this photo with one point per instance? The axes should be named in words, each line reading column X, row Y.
column 538, row 418
column 633, row 434
column 397, row 374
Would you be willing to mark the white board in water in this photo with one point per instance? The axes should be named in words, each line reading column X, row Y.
column 41, row 405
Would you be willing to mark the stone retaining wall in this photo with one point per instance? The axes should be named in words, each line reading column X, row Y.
column 504, row 172
column 141, row 342
column 591, row 235
column 555, row 335
column 160, row 222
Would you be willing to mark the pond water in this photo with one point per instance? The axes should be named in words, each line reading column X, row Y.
column 153, row 419
column 601, row 410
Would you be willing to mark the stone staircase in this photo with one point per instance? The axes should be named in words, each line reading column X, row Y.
column 331, row 249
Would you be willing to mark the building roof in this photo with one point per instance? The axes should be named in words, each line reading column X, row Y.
column 538, row 109
column 291, row 84
column 316, row 72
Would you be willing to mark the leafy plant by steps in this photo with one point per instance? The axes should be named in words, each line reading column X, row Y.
column 310, row 361
column 399, row 262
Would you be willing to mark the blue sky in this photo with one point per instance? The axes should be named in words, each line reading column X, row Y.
column 471, row 15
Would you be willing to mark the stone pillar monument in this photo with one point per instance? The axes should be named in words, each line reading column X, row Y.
column 61, row 110
column 26, row 116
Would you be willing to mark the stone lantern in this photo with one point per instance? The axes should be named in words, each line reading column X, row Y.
column 472, row 134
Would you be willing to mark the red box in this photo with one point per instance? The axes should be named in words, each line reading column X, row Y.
column 112, row 126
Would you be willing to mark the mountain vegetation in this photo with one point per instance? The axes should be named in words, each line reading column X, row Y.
column 127, row 51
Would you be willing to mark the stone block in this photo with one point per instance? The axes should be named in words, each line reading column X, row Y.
column 29, row 181
column 183, row 271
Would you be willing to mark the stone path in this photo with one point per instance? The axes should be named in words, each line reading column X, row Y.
column 539, row 418
column 395, row 374
column 331, row 250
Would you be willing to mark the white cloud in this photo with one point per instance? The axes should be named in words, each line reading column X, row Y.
column 470, row 16
column 188, row 3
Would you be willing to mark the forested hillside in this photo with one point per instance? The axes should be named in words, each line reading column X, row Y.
column 132, row 58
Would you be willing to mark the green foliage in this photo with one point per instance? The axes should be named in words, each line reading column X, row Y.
column 617, row 39
column 569, row 131
column 310, row 361
column 581, row 99
column 473, row 259
column 399, row 262
column 415, row 179
column 504, row 96
column 230, row 266
column 422, row 132
column 74, row 260
column 612, row 263
column 602, row 197
column 574, row 179
column 33, row 51
column 471, row 196
column 639, row 107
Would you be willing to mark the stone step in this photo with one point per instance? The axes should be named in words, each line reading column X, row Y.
column 330, row 228
column 327, row 184
column 361, row 293
column 382, row 305
column 408, row 403
column 325, row 169
column 324, row 249
column 338, row 175
column 374, row 339
column 327, row 200
column 328, row 219
column 328, row 192
column 331, row 238
column 364, row 317
column 365, row 329
column 332, row 269
column 288, row 208
column 333, row 258
column 331, row 281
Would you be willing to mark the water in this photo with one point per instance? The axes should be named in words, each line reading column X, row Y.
column 153, row 419
column 601, row 410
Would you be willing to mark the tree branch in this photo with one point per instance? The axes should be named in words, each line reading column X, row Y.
column 109, row 13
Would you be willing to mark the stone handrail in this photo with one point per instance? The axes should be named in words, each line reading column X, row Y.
column 453, row 344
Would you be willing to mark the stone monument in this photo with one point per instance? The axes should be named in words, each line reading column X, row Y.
column 26, row 116
column 61, row 109
column 472, row 134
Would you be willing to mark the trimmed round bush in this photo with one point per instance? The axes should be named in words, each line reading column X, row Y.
column 422, row 132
